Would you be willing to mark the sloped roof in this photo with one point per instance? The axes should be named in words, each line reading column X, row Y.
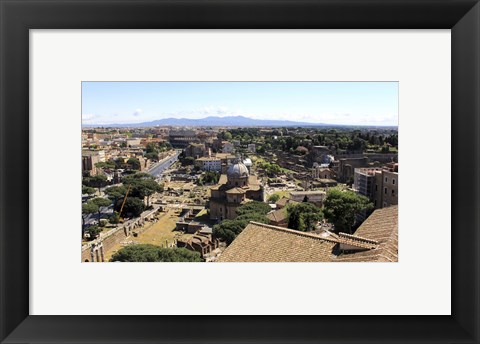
column 353, row 240
column 284, row 201
column 278, row 215
column 259, row 242
column 381, row 227
column 235, row 191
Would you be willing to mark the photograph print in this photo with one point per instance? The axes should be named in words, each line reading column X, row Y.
column 239, row 172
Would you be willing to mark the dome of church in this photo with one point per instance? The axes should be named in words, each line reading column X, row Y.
column 237, row 170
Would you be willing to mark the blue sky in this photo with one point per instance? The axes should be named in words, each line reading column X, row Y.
column 351, row 103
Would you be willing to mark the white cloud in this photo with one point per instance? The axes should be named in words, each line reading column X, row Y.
column 217, row 111
column 211, row 111
column 88, row 118
column 346, row 118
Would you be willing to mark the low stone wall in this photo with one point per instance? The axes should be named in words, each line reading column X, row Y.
column 94, row 250
column 386, row 157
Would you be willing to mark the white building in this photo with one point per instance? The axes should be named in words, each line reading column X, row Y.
column 209, row 164
column 316, row 197
column 248, row 163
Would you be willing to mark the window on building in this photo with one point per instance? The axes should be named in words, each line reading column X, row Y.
column 385, row 191
column 393, row 192
column 386, row 179
column 376, row 187
column 393, row 181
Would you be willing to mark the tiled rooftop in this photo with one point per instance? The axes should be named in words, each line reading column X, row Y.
column 278, row 215
column 382, row 227
column 236, row 191
column 259, row 242
column 284, row 201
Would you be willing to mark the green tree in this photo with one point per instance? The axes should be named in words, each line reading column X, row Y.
column 342, row 206
column 100, row 203
column 152, row 148
column 86, row 190
column 273, row 198
column 105, row 165
column 188, row 161
column 115, row 193
column 133, row 206
column 87, row 209
column 257, row 217
column 227, row 230
column 93, row 232
column 252, row 211
column 99, row 181
column 210, row 177
column 147, row 188
column 115, row 218
column 152, row 156
column 152, row 253
column 303, row 216
column 271, row 170
column 120, row 163
column 224, row 234
column 254, row 207
column 134, row 163
column 142, row 185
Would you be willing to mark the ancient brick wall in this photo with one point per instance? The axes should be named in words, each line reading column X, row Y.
column 109, row 240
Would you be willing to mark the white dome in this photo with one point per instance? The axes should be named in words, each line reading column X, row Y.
column 237, row 170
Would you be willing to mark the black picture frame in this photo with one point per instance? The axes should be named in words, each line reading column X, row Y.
column 18, row 16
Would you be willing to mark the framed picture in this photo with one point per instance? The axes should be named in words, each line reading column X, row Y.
column 63, row 91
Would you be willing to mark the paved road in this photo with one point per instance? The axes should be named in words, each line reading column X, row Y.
column 159, row 168
column 155, row 171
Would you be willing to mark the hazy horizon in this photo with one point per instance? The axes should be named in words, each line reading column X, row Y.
column 333, row 103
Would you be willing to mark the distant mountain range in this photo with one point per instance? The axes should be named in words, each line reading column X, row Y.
column 212, row 121
column 228, row 121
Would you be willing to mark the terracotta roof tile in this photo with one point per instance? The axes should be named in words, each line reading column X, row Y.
column 278, row 215
column 284, row 201
column 264, row 243
column 382, row 227
column 258, row 242
column 235, row 191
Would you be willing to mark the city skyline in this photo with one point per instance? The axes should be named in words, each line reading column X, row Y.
column 339, row 103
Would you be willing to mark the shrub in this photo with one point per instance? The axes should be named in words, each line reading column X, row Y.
column 152, row 253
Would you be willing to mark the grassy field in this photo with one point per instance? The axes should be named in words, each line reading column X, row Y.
column 280, row 193
column 158, row 233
